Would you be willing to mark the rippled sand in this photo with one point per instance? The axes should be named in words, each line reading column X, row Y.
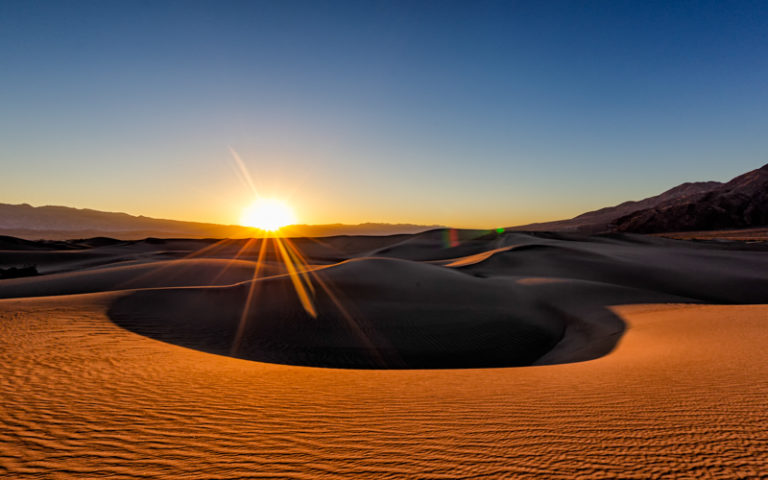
column 681, row 395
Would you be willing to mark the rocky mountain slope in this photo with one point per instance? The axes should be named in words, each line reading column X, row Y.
column 740, row 203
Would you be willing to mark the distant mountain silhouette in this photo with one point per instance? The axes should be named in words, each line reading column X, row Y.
column 740, row 203
column 63, row 223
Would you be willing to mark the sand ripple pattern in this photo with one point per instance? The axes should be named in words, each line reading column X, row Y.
column 683, row 396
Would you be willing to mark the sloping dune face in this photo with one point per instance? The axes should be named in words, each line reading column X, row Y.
column 511, row 300
column 464, row 300
column 371, row 313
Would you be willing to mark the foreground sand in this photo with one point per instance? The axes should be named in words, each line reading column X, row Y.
column 683, row 394
column 102, row 384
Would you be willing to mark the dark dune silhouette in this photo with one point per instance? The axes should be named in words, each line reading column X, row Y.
column 484, row 299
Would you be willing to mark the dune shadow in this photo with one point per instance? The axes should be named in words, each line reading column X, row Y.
column 379, row 324
column 536, row 304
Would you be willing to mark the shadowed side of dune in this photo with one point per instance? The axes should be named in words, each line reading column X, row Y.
column 177, row 273
column 708, row 275
column 379, row 314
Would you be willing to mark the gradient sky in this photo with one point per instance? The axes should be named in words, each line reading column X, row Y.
column 470, row 114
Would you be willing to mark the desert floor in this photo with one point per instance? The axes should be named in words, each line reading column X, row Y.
column 605, row 357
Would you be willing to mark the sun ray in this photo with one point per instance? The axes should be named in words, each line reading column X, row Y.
column 245, row 175
column 299, row 260
column 295, row 276
column 349, row 318
column 247, row 245
column 329, row 291
column 157, row 269
column 269, row 215
column 252, row 293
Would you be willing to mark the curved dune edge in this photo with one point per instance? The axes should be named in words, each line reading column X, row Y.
column 391, row 314
column 371, row 313
column 482, row 310
column 682, row 396
column 496, row 300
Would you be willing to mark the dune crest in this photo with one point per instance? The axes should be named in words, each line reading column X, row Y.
column 390, row 314
column 482, row 300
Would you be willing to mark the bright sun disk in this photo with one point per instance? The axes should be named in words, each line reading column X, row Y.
column 268, row 214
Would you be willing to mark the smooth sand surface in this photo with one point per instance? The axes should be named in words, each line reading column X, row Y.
column 636, row 374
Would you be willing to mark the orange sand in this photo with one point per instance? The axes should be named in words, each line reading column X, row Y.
column 681, row 394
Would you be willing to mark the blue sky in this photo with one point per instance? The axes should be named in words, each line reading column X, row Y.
column 473, row 114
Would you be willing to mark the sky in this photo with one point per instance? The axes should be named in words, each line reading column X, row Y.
column 468, row 114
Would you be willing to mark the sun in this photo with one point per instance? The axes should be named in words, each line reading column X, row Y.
column 268, row 214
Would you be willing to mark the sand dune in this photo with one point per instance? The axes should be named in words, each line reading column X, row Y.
column 394, row 314
column 633, row 372
column 155, row 274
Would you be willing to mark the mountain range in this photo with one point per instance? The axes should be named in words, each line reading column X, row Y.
column 64, row 223
column 695, row 206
